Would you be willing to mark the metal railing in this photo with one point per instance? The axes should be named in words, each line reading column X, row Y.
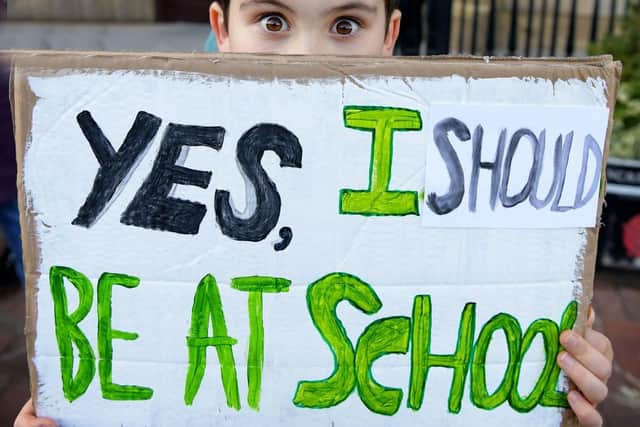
column 507, row 27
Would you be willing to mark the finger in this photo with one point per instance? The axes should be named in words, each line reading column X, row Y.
column 27, row 418
column 592, row 317
column 594, row 389
column 591, row 358
column 600, row 342
column 586, row 413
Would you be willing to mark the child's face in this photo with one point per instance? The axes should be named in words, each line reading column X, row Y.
column 327, row 27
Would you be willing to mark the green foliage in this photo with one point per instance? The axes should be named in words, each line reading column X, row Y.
column 625, row 47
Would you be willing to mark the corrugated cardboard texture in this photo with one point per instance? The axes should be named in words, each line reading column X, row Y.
column 301, row 68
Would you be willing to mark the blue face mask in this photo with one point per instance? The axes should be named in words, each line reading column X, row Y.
column 210, row 45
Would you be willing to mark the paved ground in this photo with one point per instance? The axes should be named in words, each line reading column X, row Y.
column 617, row 303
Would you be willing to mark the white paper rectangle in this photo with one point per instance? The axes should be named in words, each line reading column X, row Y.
column 513, row 166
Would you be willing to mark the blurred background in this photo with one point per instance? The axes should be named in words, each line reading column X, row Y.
column 480, row 27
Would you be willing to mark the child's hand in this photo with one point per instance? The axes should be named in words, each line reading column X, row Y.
column 27, row 418
column 588, row 363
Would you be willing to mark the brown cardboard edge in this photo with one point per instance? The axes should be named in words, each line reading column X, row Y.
column 21, row 112
column 614, row 71
column 267, row 67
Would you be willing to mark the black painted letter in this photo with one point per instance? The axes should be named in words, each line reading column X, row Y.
column 557, row 157
column 537, row 154
column 590, row 145
column 262, row 194
column 444, row 204
column 476, row 164
column 114, row 167
column 152, row 208
column 562, row 174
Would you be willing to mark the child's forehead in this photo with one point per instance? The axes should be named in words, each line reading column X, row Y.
column 327, row 5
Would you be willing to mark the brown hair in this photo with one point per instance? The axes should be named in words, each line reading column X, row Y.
column 390, row 6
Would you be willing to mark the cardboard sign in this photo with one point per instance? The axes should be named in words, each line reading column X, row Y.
column 254, row 240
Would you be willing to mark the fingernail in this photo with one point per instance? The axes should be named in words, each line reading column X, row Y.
column 566, row 360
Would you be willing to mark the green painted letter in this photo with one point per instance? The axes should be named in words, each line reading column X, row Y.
column 549, row 331
column 68, row 332
column 513, row 333
column 106, row 335
column 323, row 297
column 551, row 396
column 207, row 306
column 377, row 199
column 256, row 286
column 384, row 336
column 422, row 359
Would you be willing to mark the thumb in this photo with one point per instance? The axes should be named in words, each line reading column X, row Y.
column 27, row 418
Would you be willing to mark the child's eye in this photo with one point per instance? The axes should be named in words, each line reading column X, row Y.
column 345, row 27
column 274, row 23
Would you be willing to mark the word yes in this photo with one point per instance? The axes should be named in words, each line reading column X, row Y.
column 153, row 208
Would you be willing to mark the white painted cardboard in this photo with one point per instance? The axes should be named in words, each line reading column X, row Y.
column 526, row 262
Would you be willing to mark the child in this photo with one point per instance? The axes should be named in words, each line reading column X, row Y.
column 369, row 27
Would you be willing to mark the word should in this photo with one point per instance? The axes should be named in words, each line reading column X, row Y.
column 501, row 168
column 352, row 364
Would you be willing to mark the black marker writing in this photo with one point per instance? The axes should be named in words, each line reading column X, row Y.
column 152, row 207
column 557, row 153
column 476, row 164
column 561, row 171
column 263, row 199
column 114, row 166
column 516, row 199
column 590, row 146
column 446, row 203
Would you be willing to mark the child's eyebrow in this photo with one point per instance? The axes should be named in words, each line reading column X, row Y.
column 372, row 9
column 266, row 2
